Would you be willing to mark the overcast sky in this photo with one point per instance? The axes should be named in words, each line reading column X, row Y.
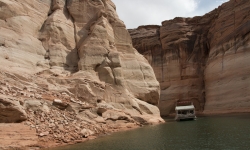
column 146, row 12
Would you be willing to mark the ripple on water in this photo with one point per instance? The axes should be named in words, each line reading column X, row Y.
column 207, row 133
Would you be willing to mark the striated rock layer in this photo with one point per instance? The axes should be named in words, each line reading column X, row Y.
column 201, row 59
column 69, row 69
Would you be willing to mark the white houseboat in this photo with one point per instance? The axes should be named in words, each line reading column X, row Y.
column 185, row 111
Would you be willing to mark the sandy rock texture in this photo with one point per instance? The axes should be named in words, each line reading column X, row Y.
column 202, row 59
column 16, row 135
column 227, row 69
column 69, row 71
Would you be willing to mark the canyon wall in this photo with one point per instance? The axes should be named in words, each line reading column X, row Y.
column 201, row 59
column 69, row 70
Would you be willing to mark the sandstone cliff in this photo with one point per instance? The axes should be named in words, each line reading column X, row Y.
column 202, row 59
column 69, row 70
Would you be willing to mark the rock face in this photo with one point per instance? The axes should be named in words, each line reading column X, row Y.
column 105, row 50
column 201, row 59
column 11, row 110
column 227, row 69
column 16, row 135
column 20, row 22
column 73, row 60
column 71, row 35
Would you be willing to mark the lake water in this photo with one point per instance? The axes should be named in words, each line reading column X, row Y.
column 206, row 133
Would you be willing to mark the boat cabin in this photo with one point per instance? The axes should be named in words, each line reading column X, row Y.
column 185, row 111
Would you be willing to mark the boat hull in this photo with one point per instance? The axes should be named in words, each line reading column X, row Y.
column 181, row 118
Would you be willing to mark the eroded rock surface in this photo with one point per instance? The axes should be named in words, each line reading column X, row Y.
column 69, row 66
column 201, row 59
column 20, row 23
column 16, row 135
column 11, row 110
column 227, row 69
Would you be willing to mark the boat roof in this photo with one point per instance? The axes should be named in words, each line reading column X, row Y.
column 184, row 107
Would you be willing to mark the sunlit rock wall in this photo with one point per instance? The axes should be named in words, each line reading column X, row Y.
column 85, row 45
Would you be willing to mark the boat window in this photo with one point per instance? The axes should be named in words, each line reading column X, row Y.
column 184, row 112
column 191, row 111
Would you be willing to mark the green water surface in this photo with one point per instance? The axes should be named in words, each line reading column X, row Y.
column 206, row 133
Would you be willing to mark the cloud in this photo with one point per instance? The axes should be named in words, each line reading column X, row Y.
column 144, row 12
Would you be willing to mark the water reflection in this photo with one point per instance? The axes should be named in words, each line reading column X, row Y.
column 207, row 133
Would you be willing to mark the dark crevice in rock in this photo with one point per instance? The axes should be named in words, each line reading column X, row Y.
column 72, row 18
column 2, row 44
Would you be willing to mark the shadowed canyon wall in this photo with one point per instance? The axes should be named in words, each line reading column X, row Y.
column 202, row 59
